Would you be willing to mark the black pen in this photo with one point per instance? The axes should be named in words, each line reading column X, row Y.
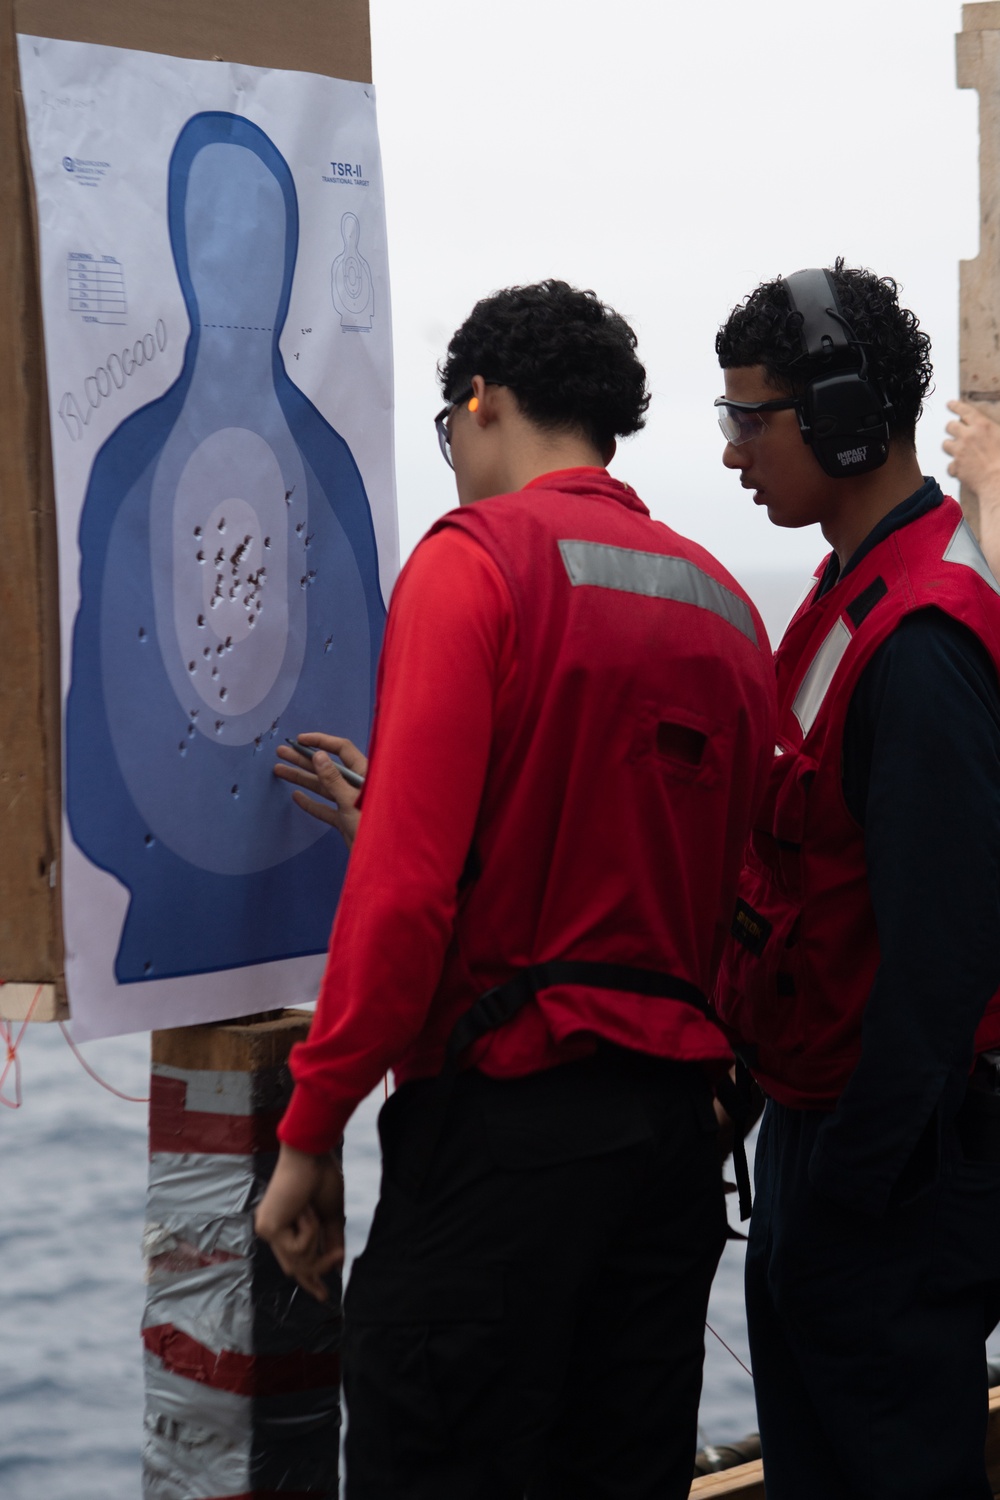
column 353, row 778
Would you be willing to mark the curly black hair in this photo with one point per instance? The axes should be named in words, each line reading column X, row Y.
column 569, row 360
column 763, row 330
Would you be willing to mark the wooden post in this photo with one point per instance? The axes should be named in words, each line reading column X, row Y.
column 978, row 67
column 242, row 1368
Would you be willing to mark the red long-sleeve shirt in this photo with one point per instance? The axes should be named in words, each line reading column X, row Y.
column 448, row 657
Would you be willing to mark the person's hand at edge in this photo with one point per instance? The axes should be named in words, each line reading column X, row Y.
column 301, row 1217
column 322, row 775
column 973, row 444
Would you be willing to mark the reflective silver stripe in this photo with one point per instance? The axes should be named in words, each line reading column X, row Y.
column 815, row 684
column 655, row 576
column 963, row 548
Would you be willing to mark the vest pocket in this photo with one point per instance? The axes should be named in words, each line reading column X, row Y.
column 761, row 991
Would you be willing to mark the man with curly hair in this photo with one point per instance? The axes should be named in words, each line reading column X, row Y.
column 574, row 723
column 864, row 962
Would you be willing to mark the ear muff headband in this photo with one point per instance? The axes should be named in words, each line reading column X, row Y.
column 844, row 417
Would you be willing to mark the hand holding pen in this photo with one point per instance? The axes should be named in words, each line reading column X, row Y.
column 308, row 763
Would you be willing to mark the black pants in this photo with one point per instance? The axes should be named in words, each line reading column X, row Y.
column 867, row 1334
column 530, row 1319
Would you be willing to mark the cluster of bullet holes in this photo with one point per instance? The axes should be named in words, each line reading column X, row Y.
column 242, row 585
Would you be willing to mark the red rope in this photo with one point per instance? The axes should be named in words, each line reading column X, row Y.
column 12, row 1045
column 85, row 1065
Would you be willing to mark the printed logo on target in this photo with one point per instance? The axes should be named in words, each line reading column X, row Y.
column 86, row 172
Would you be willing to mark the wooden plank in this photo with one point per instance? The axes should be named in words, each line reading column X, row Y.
column 36, row 1002
column 978, row 59
column 30, row 930
column 993, row 1441
column 978, row 67
column 983, row 17
column 745, row 1482
column 312, row 36
column 234, row 1046
column 319, row 36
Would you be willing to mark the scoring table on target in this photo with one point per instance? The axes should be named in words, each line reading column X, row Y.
column 96, row 286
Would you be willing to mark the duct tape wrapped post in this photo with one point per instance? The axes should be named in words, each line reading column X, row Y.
column 242, row 1368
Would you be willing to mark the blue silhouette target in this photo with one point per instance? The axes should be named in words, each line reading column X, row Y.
column 229, row 596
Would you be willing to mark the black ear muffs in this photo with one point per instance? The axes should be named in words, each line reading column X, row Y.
column 844, row 416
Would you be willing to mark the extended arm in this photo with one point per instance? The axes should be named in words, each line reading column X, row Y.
column 446, row 646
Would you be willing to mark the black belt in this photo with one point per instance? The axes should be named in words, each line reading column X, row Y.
column 499, row 1005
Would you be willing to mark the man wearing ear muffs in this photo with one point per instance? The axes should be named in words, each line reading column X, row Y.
column 862, row 971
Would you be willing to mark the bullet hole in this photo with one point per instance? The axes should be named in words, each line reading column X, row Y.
column 327, row 644
column 207, row 651
column 228, row 643
column 289, row 494
column 192, row 666
column 190, row 731
column 267, row 541
column 222, row 524
column 219, row 649
column 256, row 743
column 274, row 729
column 192, row 714
column 220, row 556
column 234, row 791
column 201, row 554
column 147, row 967
column 142, row 633
column 197, row 531
column 215, row 672
column 307, row 578
column 218, row 725
column 300, row 528
column 309, row 538
column 149, row 841
column 201, row 621
column 182, row 747
column 223, row 692
column 252, row 620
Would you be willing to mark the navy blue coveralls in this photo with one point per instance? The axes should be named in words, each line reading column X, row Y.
column 873, row 1265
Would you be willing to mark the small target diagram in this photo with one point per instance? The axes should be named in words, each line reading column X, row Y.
column 351, row 282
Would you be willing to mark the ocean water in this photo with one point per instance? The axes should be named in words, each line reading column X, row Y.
column 72, row 1193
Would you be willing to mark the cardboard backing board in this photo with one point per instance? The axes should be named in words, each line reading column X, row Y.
column 317, row 36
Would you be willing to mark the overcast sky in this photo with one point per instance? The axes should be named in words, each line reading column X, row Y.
column 670, row 156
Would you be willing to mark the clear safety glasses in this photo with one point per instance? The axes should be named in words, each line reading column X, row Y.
column 741, row 420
